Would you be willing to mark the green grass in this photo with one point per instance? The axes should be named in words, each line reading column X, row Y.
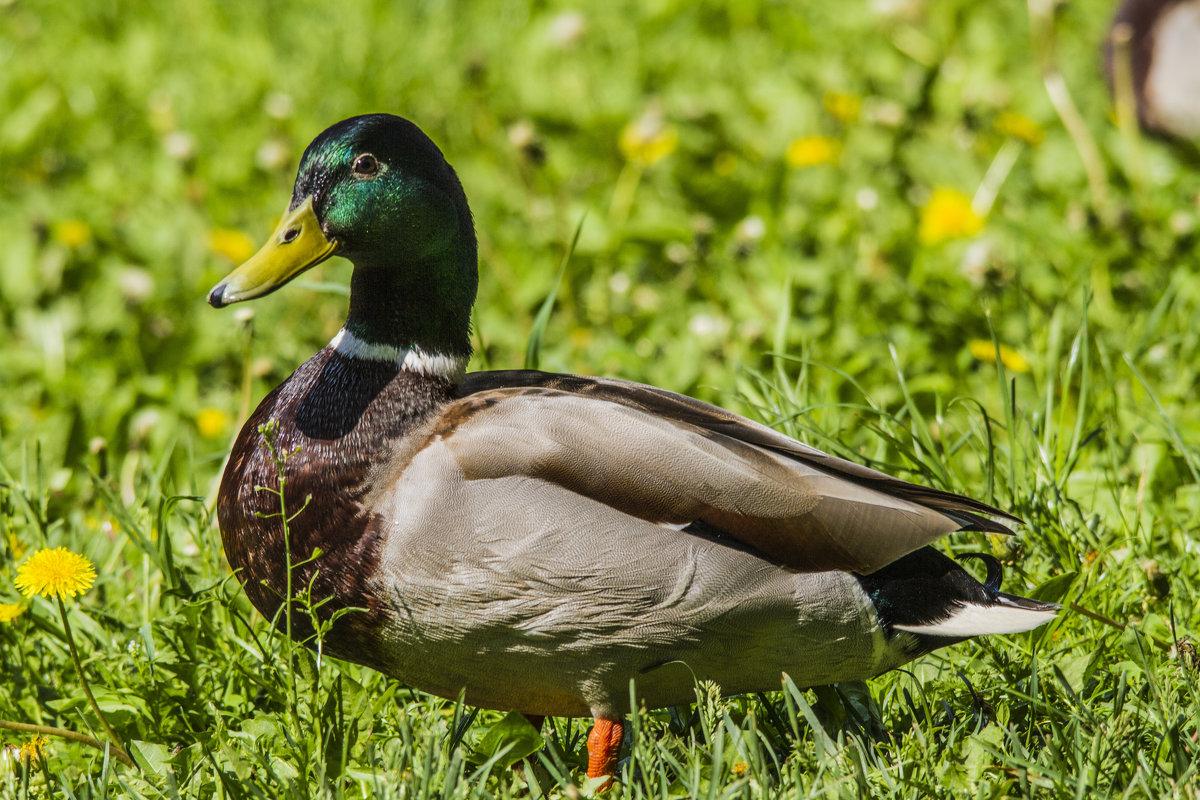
column 802, row 296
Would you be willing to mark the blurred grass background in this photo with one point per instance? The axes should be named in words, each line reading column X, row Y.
column 865, row 223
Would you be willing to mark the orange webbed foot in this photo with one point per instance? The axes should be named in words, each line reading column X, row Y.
column 604, row 744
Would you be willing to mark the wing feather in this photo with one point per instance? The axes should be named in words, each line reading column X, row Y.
column 672, row 460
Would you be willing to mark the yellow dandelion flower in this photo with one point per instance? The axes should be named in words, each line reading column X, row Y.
column 948, row 215
column 211, row 422
column 739, row 768
column 35, row 747
column 811, row 151
column 725, row 163
column 231, row 243
column 55, row 572
column 10, row 611
column 73, row 233
column 1019, row 126
column 984, row 351
column 581, row 338
column 16, row 547
column 843, row 106
column 648, row 139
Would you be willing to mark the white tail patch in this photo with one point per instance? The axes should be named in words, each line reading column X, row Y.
column 971, row 619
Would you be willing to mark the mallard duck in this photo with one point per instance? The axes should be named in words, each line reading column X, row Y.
column 1160, row 41
column 536, row 541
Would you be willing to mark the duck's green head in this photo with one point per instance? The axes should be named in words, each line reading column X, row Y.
column 377, row 191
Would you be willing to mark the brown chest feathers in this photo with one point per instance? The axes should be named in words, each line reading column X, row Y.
column 334, row 419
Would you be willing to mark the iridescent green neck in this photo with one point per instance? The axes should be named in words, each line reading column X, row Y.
column 427, row 307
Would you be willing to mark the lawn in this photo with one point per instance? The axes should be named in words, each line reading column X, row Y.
column 914, row 234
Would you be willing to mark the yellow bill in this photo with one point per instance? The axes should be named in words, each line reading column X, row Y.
column 296, row 245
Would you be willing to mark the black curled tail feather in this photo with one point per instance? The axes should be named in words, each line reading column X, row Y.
column 995, row 571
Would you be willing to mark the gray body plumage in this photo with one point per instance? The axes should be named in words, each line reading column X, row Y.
column 503, row 576
column 557, row 618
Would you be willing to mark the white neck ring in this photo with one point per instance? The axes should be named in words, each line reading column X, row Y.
column 410, row 359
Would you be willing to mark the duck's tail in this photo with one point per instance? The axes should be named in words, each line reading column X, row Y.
column 1005, row 613
column 929, row 595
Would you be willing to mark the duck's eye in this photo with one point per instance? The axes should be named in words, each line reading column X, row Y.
column 366, row 165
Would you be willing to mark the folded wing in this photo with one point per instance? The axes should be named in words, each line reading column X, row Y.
column 674, row 461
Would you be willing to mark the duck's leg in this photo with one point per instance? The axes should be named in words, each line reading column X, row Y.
column 604, row 743
column 518, row 768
